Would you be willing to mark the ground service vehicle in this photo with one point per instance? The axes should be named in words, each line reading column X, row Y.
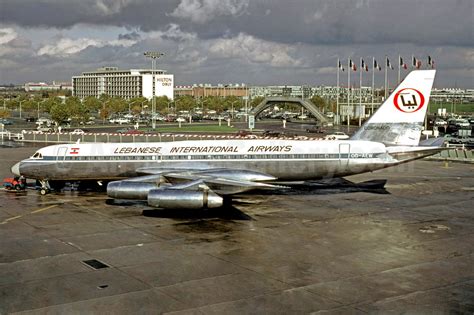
column 17, row 183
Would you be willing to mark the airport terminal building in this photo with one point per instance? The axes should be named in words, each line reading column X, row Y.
column 123, row 83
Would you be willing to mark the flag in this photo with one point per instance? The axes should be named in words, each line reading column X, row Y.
column 376, row 65
column 430, row 62
column 340, row 65
column 363, row 65
column 402, row 64
column 418, row 64
column 352, row 65
column 389, row 65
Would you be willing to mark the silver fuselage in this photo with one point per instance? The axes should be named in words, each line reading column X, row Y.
column 290, row 160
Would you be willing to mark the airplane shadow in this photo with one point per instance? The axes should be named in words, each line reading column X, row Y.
column 328, row 187
column 227, row 212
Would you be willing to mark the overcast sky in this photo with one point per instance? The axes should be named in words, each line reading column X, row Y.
column 258, row 42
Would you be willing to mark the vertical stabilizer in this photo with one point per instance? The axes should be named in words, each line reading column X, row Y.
column 399, row 120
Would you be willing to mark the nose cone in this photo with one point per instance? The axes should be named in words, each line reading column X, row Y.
column 16, row 169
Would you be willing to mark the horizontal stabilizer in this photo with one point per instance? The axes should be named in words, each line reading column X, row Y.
column 407, row 153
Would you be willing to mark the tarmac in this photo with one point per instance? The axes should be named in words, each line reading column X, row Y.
column 408, row 248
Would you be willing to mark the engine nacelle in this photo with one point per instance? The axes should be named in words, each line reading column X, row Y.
column 129, row 190
column 183, row 199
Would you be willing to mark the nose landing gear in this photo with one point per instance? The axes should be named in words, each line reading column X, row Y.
column 45, row 188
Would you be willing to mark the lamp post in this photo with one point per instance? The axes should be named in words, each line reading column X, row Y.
column 129, row 106
column 103, row 111
column 38, row 110
column 204, row 101
column 170, row 102
column 153, row 55
column 176, row 106
column 232, row 107
column 20, row 106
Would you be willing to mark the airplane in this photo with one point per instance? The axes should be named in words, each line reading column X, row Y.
column 200, row 174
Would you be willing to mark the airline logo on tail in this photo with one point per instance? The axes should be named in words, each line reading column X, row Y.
column 399, row 120
column 409, row 100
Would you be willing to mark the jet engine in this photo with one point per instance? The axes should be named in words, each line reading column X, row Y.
column 183, row 199
column 129, row 190
column 159, row 195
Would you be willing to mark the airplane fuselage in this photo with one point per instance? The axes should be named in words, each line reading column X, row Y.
column 283, row 159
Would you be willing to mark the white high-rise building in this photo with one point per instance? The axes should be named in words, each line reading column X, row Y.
column 123, row 83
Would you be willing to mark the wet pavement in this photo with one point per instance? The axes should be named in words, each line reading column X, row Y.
column 407, row 248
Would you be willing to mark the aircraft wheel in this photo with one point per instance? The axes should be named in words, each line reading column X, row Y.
column 43, row 191
column 17, row 187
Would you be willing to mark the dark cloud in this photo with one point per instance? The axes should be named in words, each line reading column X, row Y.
column 65, row 14
column 430, row 22
column 258, row 41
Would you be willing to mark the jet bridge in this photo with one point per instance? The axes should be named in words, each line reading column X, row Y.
column 269, row 101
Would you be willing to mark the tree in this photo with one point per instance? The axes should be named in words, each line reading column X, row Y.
column 185, row 103
column 92, row 104
column 332, row 106
column 78, row 112
column 319, row 102
column 4, row 113
column 104, row 113
column 137, row 104
column 14, row 103
column 216, row 103
column 256, row 100
column 232, row 102
column 136, row 109
column 117, row 105
column 50, row 102
column 161, row 103
column 28, row 105
column 59, row 113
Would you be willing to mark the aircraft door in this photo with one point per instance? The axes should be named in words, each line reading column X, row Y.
column 344, row 153
column 61, row 155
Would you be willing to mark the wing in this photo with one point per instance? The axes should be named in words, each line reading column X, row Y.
column 188, row 188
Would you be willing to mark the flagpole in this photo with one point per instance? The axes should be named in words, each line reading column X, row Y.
column 337, row 91
column 348, row 90
column 360, row 92
column 373, row 86
column 385, row 93
column 399, row 62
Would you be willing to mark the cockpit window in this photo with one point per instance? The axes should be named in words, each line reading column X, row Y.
column 37, row 155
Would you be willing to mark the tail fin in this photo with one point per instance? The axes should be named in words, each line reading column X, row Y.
column 399, row 120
